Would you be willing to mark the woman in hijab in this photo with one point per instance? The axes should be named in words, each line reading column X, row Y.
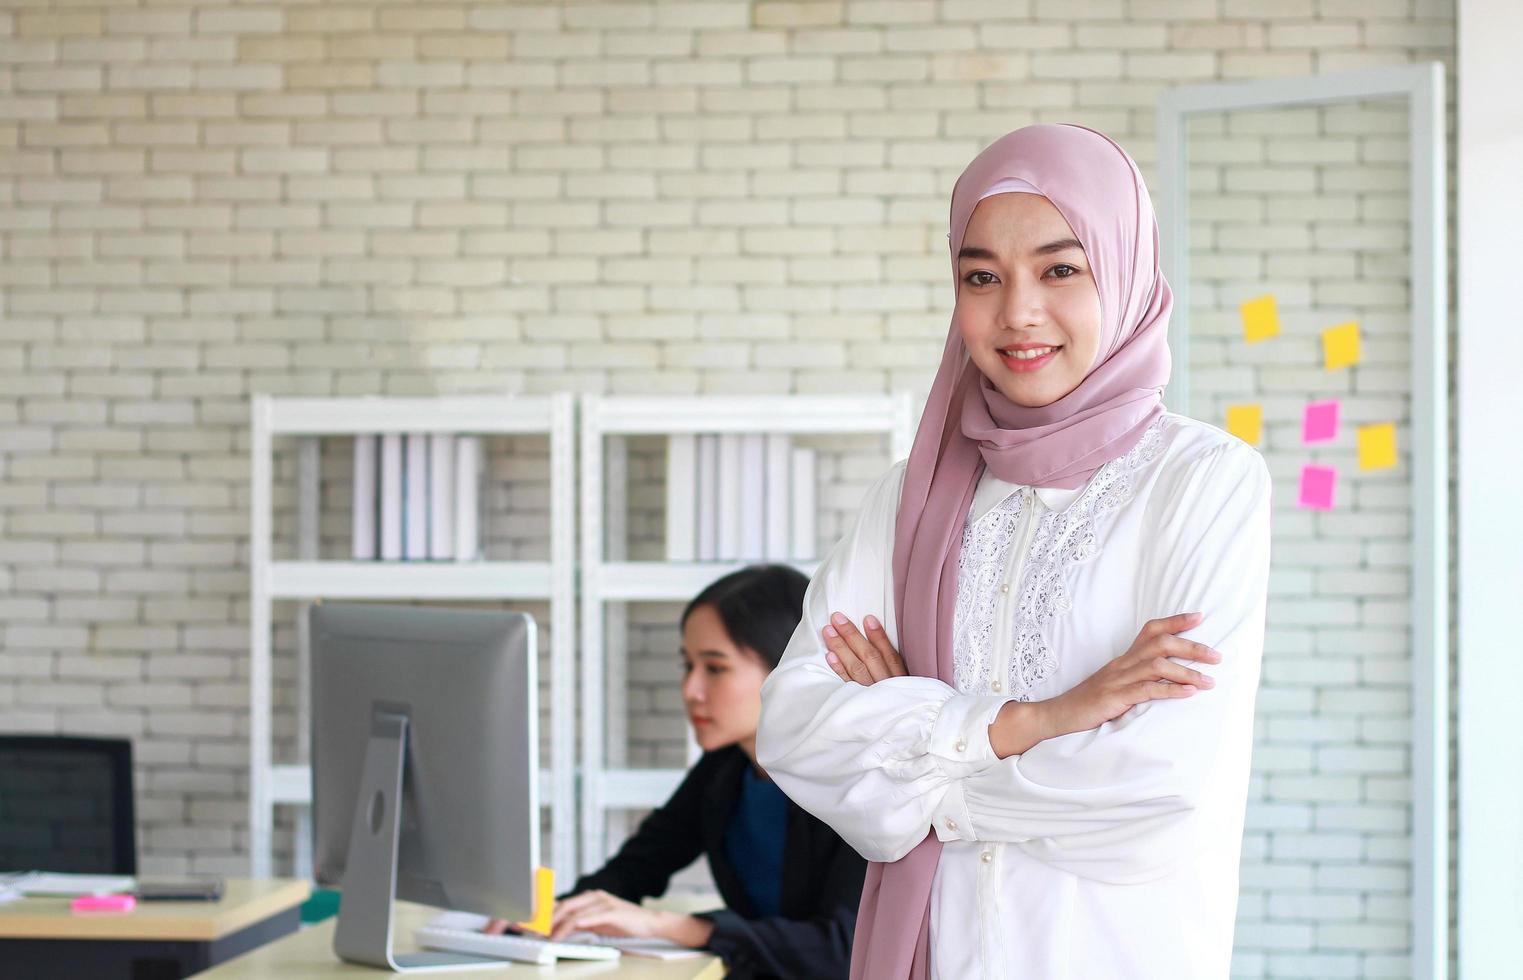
column 1023, row 685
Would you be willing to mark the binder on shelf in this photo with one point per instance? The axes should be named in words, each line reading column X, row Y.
column 415, row 497
column 441, row 496
column 363, row 506
column 753, row 504
column 708, row 497
column 467, row 498
column 729, row 497
column 778, row 491
column 804, row 543
column 681, row 487
column 391, row 496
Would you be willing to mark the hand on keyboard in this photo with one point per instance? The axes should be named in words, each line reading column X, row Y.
column 610, row 915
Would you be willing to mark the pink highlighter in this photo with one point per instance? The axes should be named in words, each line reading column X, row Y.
column 103, row 903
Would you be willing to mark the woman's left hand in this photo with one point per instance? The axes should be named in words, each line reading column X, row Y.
column 855, row 657
column 609, row 915
column 604, row 914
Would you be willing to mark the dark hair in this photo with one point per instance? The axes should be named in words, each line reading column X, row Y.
column 760, row 606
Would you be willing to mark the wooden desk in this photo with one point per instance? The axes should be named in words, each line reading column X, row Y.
column 308, row 955
column 41, row 937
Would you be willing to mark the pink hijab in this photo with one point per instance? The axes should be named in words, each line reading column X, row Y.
column 968, row 424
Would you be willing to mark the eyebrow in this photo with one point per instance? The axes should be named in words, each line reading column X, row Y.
column 1061, row 245
column 711, row 654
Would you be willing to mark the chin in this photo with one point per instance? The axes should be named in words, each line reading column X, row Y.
column 1026, row 399
column 709, row 741
column 1029, row 396
column 1029, row 393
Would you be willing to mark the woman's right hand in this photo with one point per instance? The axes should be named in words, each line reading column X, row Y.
column 1143, row 673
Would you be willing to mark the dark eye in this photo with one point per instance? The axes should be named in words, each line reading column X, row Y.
column 715, row 671
column 1072, row 271
column 972, row 278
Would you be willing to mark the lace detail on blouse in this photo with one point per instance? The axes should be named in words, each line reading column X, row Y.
column 1062, row 539
column 986, row 545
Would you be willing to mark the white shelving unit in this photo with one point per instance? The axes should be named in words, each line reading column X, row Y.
column 272, row 785
column 606, row 578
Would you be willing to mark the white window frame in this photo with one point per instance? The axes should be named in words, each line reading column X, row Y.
column 1422, row 85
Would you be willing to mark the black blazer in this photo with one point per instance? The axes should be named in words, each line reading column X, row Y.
column 821, row 887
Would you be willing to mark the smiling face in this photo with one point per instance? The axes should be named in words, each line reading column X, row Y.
column 721, row 685
column 1028, row 305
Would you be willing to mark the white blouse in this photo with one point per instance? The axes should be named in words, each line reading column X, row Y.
column 1109, row 854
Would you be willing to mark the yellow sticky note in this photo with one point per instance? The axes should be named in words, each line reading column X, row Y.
column 1377, row 446
column 1340, row 345
column 1246, row 422
column 544, row 902
column 1261, row 319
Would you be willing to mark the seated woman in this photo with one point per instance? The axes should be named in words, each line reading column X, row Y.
column 790, row 885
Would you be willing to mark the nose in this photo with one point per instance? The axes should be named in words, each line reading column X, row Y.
column 692, row 687
column 1020, row 305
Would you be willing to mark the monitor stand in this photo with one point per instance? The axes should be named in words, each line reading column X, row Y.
column 363, row 934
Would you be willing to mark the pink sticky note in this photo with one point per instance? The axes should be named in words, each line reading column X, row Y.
column 103, row 903
column 1317, row 483
column 1320, row 423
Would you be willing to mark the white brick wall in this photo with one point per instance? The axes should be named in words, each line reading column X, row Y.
column 210, row 200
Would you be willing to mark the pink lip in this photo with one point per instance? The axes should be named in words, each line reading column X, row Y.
column 1034, row 364
column 699, row 721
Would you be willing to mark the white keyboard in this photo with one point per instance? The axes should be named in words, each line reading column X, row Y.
column 521, row 949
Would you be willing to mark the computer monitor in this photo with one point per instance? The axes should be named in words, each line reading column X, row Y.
column 66, row 804
column 436, row 710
